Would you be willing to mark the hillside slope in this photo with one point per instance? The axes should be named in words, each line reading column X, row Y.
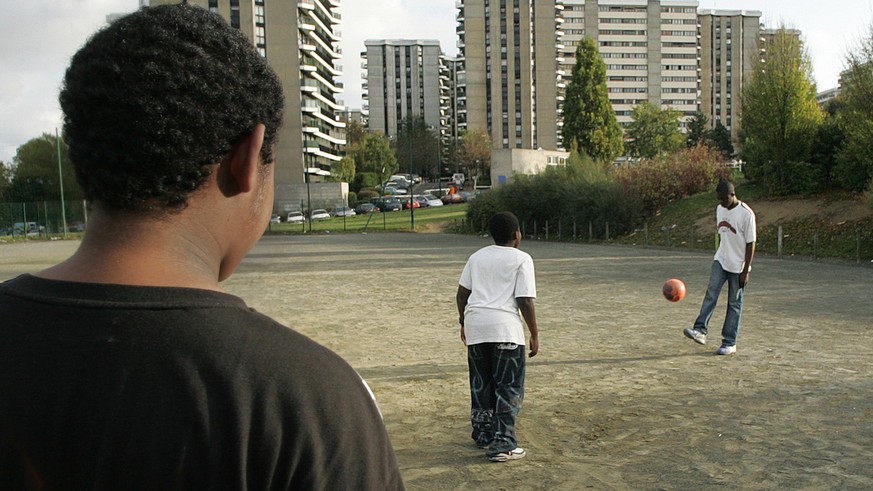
column 819, row 226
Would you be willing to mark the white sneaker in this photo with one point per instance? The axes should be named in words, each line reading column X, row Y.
column 514, row 454
column 726, row 350
column 696, row 335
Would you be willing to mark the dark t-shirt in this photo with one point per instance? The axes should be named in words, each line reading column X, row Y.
column 130, row 387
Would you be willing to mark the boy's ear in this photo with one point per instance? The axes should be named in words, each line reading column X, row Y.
column 244, row 162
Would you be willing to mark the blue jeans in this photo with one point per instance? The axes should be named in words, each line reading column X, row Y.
column 496, row 389
column 731, row 327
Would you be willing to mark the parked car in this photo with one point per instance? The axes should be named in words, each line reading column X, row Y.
column 294, row 217
column 410, row 203
column 365, row 208
column 343, row 211
column 452, row 198
column 319, row 214
column 275, row 218
column 388, row 203
column 432, row 200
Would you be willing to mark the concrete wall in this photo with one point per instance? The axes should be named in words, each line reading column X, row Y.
column 328, row 195
column 506, row 162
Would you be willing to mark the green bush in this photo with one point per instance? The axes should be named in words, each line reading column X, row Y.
column 365, row 180
column 365, row 195
column 561, row 197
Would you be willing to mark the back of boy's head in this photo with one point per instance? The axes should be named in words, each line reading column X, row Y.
column 157, row 96
column 503, row 226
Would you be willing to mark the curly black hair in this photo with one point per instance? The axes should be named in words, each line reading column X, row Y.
column 153, row 99
column 503, row 226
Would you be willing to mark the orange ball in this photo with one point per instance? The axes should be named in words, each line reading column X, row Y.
column 673, row 290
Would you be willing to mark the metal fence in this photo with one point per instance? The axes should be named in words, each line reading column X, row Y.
column 42, row 219
column 847, row 240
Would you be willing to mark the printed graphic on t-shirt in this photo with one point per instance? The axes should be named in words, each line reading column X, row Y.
column 724, row 224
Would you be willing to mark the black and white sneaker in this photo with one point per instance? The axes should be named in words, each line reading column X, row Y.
column 514, row 454
column 695, row 335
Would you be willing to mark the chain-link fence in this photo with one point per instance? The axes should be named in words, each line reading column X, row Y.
column 42, row 219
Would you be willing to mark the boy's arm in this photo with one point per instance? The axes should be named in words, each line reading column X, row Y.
column 529, row 312
column 744, row 274
column 461, row 299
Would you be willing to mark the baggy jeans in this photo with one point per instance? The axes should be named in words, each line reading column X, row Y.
column 731, row 327
column 497, row 390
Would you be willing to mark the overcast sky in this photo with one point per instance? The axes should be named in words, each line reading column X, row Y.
column 37, row 38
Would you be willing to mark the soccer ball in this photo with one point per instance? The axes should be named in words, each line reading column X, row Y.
column 673, row 290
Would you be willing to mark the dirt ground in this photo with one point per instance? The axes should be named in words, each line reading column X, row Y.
column 617, row 397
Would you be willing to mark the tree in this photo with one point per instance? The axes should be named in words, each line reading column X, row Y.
column 853, row 169
column 653, row 131
column 696, row 130
column 35, row 173
column 355, row 133
column 344, row 170
column 719, row 138
column 5, row 179
column 474, row 152
column 417, row 147
column 374, row 155
column 589, row 118
column 781, row 117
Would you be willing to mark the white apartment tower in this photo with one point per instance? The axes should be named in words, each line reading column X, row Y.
column 508, row 81
column 403, row 79
column 650, row 48
column 729, row 41
column 300, row 40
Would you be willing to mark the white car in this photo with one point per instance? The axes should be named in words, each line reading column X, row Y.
column 343, row 211
column 433, row 200
column 294, row 217
column 319, row 214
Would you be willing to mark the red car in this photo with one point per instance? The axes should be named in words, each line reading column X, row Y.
column 406, row 201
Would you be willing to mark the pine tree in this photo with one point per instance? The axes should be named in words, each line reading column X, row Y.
column 589, row 119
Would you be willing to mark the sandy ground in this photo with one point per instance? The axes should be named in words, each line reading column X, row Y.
column 617, row 397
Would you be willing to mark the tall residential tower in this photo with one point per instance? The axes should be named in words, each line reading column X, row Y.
column 729, row 42
column 300, row 41
column 650, row 48
column 403, row 80
column 508, row 50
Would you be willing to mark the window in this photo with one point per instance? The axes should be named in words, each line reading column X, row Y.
column 234, row 13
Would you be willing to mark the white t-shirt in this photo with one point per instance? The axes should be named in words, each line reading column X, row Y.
column 496, row 276
column 736, row 228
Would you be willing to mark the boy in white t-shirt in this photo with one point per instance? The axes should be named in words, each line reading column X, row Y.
column 732, row 264
column 497, row 282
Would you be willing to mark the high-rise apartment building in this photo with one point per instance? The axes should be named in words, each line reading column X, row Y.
column 730, row 49
column 299, row 40
column 508, row 50
column 650, row 48
column 403, row 79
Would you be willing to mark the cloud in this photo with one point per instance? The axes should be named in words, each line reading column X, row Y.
column 38, row 39
column 390, row 19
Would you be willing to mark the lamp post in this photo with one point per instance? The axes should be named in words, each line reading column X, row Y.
column 308, row 215
column 61, row 179
column 409, row 168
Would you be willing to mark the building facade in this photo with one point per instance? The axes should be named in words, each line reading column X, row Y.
column 650, row 49
column 729, row 42
column 403, row 79
column 299, row 39
column 509, row 56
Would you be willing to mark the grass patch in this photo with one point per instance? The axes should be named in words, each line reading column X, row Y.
column 426, row 219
